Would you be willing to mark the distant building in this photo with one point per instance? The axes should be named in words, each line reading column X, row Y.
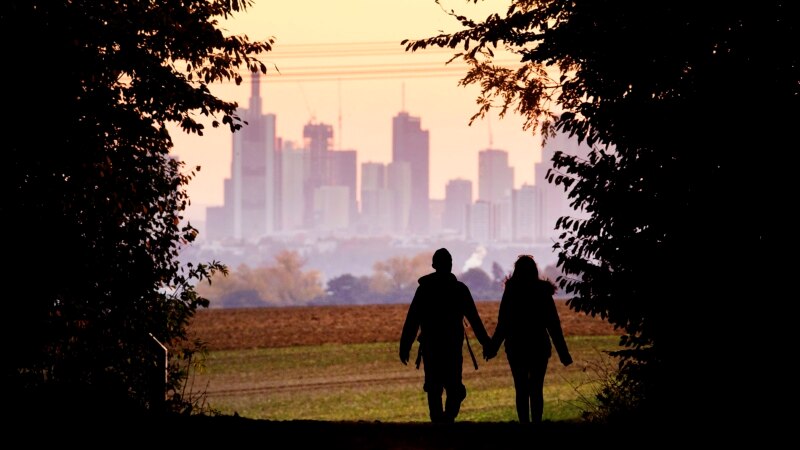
column 457, row 200
column 525, row 207
column 293, row 162
column 436, row 216
column 253, row 171
column 343, row 171
column 480, row 222
column 495, row 176
column 501, row 221
column 376, row 199
column 219, row 223
column 400, row 185
column 495, row 183
column 317, row 139
column 332, row 208
column 411, row 144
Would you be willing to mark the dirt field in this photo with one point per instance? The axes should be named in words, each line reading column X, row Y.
column 227, row 329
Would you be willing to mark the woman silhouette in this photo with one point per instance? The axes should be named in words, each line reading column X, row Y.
column 527, row 322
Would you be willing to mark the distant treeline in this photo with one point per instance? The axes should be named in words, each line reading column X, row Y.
column 394, row 280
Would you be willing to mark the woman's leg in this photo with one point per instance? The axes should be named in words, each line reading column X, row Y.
column 537, row 390
column 522, row 389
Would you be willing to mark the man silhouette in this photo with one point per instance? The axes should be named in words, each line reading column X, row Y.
column 437, row 311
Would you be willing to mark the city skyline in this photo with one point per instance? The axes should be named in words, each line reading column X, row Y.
column 344, row 65
column 324, row 197
column 255, row 206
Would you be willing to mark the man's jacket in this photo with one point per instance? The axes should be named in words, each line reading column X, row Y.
column 437, row 312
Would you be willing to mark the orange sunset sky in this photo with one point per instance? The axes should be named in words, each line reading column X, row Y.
column 341, row 63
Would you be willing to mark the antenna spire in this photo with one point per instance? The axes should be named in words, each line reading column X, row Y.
column 403, row 96
column 489, row 124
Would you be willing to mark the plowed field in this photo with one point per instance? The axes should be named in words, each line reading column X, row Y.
column 229, row 329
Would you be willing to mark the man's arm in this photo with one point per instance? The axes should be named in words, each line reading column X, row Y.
column 410, row 328
column 471, row 313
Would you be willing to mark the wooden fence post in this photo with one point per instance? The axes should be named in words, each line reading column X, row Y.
column 160, row 378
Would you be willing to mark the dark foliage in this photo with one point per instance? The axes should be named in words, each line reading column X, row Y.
column 481, row 285
column 349, row 289
column 689, row 108
column 93, row 200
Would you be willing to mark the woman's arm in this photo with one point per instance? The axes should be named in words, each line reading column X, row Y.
column 556, row 333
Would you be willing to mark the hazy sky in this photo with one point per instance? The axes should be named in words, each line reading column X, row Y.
column 341, row 63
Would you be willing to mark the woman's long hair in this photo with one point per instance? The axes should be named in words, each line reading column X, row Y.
column 525, row 270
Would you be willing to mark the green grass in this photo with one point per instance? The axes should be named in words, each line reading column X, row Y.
column 368, row 382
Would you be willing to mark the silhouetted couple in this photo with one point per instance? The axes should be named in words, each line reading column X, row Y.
column 527, row 321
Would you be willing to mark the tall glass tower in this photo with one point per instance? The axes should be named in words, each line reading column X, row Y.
column 411, row 144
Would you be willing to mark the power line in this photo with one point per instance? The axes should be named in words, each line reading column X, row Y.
column 385, row 69
column 356, row 77
column 363, row 75
column 387, row 65
column 343, row 44
column 352, row 49
column 364, row 72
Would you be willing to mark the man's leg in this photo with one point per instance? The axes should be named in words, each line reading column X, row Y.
column 435, row 403
column 435, row 407
column 453, row 386
column 456, row 393
column 433, row 387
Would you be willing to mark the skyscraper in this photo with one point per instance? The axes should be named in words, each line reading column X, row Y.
column 457, row 200
column 253, row 171
column 332, row 208
column 495, row 176
column 411, row 144
column 293, row 162
column 343, row 168
column 495, row 183
column 399, row 181
column 526, row 222
column 436, row 216
column 317, row 139
column 376, row 199
column 481, row 222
